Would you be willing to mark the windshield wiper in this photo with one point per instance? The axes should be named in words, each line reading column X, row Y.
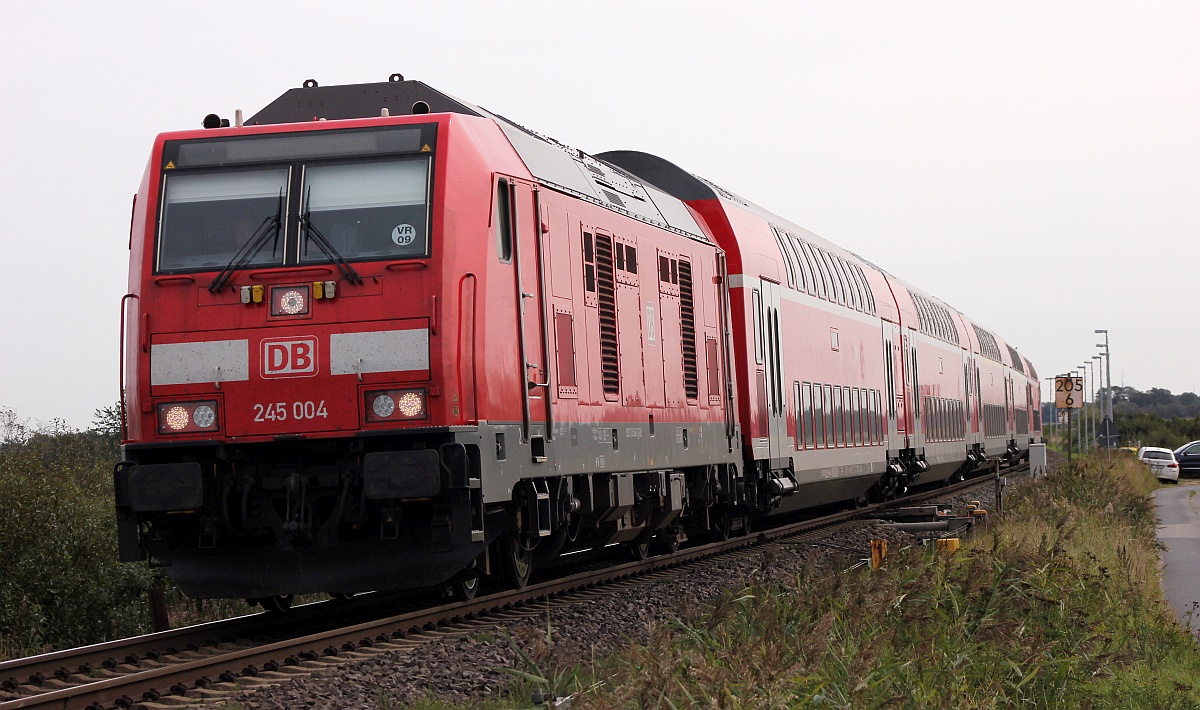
column 268, row 229
column 308, row 229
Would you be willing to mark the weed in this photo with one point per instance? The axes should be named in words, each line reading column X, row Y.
column 1057, row 604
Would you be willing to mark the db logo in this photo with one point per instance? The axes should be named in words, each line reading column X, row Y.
column 291, row 357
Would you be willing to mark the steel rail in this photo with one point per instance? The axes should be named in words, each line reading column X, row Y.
column 176, row 678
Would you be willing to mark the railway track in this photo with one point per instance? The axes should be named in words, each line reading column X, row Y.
column 263, row 648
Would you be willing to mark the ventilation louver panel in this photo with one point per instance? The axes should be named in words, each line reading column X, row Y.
column 606, row 302
column 613, row 197
column 687, row 327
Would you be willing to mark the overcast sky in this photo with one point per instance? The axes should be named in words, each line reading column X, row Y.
column 1034, row 164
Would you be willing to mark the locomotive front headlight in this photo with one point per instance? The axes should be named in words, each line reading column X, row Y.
column 204, row 416
column 383, row 406
column 289, row 301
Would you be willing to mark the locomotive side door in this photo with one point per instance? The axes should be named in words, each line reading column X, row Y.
column 773, row 366
column 528, row 255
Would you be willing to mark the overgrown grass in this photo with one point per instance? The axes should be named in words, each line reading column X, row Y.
column 1057, row 605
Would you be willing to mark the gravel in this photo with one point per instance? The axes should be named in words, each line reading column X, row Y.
column 465, row 668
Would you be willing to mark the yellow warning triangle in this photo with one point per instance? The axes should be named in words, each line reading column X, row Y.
column 170, row 165
column 425, row 148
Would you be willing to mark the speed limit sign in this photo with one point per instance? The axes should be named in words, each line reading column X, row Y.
column 1068, row 392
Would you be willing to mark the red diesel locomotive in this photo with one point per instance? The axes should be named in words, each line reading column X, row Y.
column 377, row 337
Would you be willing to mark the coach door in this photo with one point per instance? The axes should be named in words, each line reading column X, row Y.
column 773, row 366
column 897, row 408
column 913, row 392
column 528, row 258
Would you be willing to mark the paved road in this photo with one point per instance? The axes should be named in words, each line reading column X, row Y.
column 1179, row 531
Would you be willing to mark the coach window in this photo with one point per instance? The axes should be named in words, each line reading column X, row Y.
column 786, row 254
column 879, row 424
column 854, row 274
column 866, row 287
column 839, row 431
column 837, row 295
column 794, row 250
column 874, row 401
column 852, row 428
column 820, row 279
column 830, row 438
column 801, row 418
column 808, row 416
column 805, row 269
column 801, row 276
column 848, row 415
column 847, row 284
column 818, row 417
column 862, row 417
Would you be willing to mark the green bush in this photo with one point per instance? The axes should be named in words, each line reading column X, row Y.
column 1153, row 430
column 1058, row 605
column 60, row 581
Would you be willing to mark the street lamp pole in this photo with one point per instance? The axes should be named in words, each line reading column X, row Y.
column 1108, row 442
column 1053, row 409
column 1083, row 417
column 1079, row 432
column 1092, row 369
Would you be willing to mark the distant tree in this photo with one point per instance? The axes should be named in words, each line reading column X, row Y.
column 1152, row 418
column 106, row 421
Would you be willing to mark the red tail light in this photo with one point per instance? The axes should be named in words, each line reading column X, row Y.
column 394, row 405
column 188, row 417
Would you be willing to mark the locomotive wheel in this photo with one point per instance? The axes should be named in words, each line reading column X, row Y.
column 466, row 584
column 340, row 596
column 639, row 548
column 276, row 604
column 516, row 560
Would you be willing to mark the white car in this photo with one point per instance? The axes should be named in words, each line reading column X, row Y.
column 1161, row 462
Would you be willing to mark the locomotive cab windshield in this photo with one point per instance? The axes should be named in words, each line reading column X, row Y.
column 261, row 201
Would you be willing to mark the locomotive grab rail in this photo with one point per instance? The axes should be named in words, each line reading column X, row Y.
column 542, row 227
column 121, row 359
